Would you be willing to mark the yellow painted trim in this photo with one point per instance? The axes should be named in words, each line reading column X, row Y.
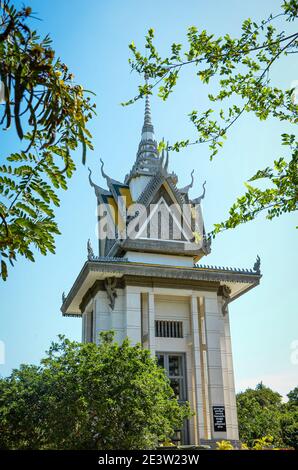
column 125, row 192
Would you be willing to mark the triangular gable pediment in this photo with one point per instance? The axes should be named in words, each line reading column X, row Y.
column 154, row 186
column 164, row 221
column 166, row 192
column 165, row 216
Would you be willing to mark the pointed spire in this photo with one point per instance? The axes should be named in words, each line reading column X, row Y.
column 147, row 130
column 148, row 145
column 147, row 162
column 147, row 116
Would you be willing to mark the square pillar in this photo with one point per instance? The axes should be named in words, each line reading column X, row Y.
column 84, row 327
column 93, row 320
column 151, row 323
column 233, row 432
column 133, row 314
column 204, row 368
column 102, row 314
column 219, row 365
column 199, row 408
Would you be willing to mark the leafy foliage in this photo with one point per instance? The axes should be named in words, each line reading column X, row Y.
column 263, row 443
column 280, row 197
column 240, row 68
column 289, row 422
column 264, row 421
column 224, row 445
column 88, row 396
column 293, row 397
column 289, row 428
column 49, row 113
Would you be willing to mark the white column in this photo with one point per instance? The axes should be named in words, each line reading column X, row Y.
column 133, row 314
column 88, row 329
column 197, row 368
column 144, row 320
column 216, row 359
column 102, row 314
column 118, row 317
column 151, row 323
column 233, row 432
column 94, row 334
column 204, row 365
column 84, row 327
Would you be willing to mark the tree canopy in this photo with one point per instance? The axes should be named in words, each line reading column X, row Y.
column 261, row 414
column 49, row 113
column 240, row 68
column 88, row 396
column 293, row 397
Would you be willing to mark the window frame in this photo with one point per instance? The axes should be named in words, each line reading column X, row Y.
column 184, row 431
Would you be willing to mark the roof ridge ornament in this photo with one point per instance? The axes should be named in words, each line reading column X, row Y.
column 110, row 181
column 207, row 244
column 257, row 265
column 90, row 252
column 189, row 186
column 192, row 179
column 110, row 284
column 161, row 161
column 167, row 158
column 200, row 198
column 104, row 175
column 97, row 189
column 90, row 178
column 225, row 292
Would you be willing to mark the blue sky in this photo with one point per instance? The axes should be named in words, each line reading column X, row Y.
column 92, row 38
